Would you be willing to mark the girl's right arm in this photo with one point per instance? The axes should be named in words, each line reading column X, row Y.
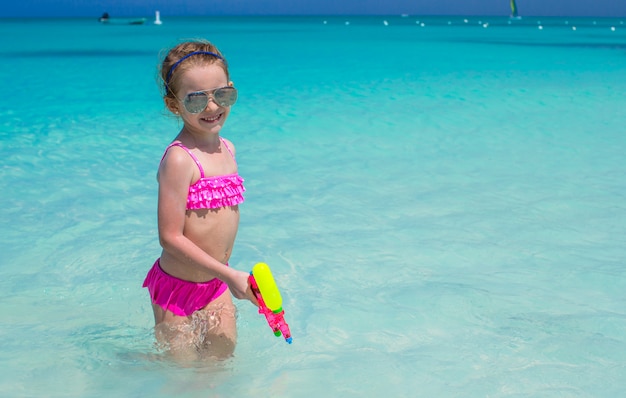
column 175, row 175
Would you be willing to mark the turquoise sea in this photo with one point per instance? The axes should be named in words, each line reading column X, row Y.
column 442, row 201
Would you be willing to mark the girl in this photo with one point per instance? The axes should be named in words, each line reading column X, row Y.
column 198, row 209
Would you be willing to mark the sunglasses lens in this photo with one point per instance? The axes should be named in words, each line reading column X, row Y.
column 196, row 102
column 225, row 96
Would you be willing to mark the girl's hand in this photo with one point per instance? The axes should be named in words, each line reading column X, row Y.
column 239, row 286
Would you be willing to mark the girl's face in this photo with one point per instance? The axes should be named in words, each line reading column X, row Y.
column 206, row 79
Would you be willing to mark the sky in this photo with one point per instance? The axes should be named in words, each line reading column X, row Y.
column 145, row 8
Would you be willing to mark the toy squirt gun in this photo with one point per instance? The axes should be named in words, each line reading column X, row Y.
column 270, row 302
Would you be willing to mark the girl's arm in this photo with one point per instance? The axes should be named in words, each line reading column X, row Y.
column 175, row 175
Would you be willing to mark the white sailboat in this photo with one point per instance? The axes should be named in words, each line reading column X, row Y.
column 157, row 18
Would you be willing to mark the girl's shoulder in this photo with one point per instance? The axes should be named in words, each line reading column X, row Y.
column 175, row 153
column 177, row 158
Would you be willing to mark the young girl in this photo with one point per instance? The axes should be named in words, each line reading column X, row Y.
column 198, row 209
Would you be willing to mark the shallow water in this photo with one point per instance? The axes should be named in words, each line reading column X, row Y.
column 442, row 206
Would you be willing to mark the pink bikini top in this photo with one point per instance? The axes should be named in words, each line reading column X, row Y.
column 215, row 191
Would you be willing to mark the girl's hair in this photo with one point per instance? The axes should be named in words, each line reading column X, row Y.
column 179, row 60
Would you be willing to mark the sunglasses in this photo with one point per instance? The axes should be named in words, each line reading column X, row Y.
column 197, row 101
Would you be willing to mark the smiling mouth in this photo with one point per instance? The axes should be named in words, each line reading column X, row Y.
column 212, row 119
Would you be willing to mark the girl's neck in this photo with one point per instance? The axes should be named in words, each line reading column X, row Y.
column 209, row 144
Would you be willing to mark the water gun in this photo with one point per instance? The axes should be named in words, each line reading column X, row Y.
column 270, row 302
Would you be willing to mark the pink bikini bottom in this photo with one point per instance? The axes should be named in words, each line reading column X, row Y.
column 179, row 296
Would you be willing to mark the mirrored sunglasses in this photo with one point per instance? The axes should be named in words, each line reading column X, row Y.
column 197, row 101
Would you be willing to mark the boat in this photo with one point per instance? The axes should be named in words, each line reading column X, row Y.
column 514, row 12
column 106, row 19
column 157, row 18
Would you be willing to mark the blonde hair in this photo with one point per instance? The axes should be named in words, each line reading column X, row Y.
column 183, row 57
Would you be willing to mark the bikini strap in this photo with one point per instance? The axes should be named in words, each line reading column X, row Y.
column 227, row 147
column 195, row 159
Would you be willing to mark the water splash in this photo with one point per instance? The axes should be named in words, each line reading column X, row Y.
column 206, row 334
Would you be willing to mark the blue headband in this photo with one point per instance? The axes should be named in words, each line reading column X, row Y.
column 169, row 74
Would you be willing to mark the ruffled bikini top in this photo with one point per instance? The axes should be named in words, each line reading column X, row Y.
column 215, row 191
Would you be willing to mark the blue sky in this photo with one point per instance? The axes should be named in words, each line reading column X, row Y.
column 91, row 8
